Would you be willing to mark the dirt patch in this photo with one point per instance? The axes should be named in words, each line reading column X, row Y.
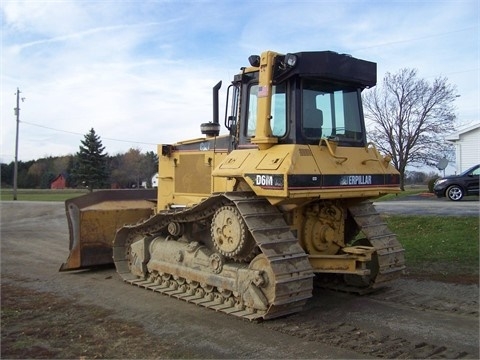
column 38, row 325
column 445, row 272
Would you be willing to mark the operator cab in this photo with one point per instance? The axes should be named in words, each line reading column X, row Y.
column 318, row 97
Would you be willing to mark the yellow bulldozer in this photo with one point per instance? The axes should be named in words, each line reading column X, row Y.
column 247, row 222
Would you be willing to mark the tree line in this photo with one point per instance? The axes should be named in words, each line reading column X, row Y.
column 91, row 167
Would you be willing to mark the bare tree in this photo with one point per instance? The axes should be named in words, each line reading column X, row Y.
column 133, row 167
column 133, row 162
column 410, row 118
column 36, row 171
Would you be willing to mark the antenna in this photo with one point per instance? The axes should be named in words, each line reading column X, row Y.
column 442, row 164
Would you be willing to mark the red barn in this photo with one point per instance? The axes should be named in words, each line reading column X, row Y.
column 59, row 182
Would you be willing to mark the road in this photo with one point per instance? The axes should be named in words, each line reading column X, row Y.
column 420, row 205
column 410, row 319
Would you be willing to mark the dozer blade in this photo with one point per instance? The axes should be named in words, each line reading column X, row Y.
column 93, row 220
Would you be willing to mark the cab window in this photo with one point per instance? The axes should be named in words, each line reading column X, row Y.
column 278, row 113
column 330, row 112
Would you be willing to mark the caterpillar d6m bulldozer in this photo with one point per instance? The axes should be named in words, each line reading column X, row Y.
column 247, row 222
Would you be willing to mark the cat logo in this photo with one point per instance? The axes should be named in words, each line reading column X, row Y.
column 204, row 146
column 356, row 180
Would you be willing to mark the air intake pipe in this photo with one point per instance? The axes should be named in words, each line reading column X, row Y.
column 213, row 128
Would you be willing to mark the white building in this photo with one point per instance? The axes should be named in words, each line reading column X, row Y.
column 467, row 147
column 154, row 182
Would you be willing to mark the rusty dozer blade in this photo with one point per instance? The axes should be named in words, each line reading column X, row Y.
column 93, row 220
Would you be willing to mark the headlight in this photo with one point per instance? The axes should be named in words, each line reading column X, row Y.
column 290, row 60
column 254, row 60
column 439, row 181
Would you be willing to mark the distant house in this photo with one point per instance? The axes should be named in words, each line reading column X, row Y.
column 467, row 147
column 154, row 182
column 115, row 186
column 59, row 182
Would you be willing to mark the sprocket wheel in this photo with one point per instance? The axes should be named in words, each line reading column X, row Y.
column 230, row 234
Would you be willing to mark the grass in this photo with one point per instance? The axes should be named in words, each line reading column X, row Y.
column 446, row 239
column 447, row 246
column 409, row 190
column 41, row 194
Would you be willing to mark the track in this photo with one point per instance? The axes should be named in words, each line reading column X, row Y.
column 389, row 252
column 286, row 272
column 278, row 281
column 388, row 260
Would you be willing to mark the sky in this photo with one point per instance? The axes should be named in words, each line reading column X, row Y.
column 141, row 73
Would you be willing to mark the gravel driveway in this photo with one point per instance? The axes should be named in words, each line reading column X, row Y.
column 87, row 314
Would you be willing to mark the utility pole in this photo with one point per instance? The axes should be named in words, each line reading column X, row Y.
column 15, row 169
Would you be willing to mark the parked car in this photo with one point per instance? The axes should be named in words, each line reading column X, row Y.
column 455, row 187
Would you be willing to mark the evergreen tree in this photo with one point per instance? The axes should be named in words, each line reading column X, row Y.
column 90, row 167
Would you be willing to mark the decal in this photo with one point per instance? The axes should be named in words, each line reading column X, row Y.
column 267, row 181
column 204, row 146
column 315, row 181
column 264, row 180
column 356, row 180
column 262, row 91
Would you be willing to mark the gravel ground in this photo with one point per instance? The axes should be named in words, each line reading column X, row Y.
column 92, row 314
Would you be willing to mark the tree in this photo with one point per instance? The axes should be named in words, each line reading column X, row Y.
column 46, row 179
column 133, row 167
column 36, row 171
column 7, row 174
column 126, row 168
column 415, row 177
column 60, row 164
column 410, row 118
column 151, row 166
column 90, row 168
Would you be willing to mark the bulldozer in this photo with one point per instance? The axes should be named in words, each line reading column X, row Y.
column 249, row 221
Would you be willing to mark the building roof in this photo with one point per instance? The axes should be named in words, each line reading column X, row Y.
column 58, row 177
column 456, row 135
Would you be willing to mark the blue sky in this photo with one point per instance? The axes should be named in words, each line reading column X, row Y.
column 141, row 72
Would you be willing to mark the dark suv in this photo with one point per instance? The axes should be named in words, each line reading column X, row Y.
column 456, row 187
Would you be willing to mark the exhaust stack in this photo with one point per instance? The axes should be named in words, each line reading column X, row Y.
column 212, row 129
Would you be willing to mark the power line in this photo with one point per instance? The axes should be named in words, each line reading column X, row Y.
column 414, row 39
column 75, row 133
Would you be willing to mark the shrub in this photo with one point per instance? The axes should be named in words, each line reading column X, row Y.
column 431, row 182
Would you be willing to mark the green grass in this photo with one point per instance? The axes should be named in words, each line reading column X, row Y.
column 41, row 194
column 445, row 245
column 409, row 191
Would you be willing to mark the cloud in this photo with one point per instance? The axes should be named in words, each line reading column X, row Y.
column 142, row 72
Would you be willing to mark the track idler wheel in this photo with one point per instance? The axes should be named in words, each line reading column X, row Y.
column 230, row 234
column 266, row 283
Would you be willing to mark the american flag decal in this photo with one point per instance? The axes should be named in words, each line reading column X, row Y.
column 262, row 91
